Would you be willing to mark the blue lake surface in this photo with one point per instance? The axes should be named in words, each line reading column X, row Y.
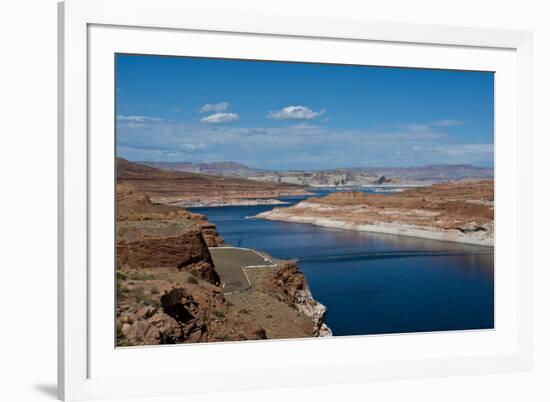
column 374, row 283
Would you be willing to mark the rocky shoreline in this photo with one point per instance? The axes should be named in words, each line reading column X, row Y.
column 383, row 228
column 457, row 212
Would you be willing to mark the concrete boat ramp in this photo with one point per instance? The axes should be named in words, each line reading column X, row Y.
column 230, row 263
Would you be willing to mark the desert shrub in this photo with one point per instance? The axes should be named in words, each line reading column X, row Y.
column 192, row 280
column 121, row 338
column 127, row 320
column 244, row 311
column 124, row 289
column 218, row 313
column 150, row 300
column 140, row 276
column 143, row 298
column 121, row 275
column 138, row 294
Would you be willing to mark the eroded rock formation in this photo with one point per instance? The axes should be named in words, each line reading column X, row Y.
column 168, row 288
column 292, row 288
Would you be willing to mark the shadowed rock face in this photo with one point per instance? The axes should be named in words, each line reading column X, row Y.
column 292, row 288
column 151, row 235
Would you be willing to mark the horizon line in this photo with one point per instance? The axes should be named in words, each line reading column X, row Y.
column 317, row 169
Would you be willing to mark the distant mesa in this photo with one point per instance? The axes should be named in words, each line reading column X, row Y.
column 342, row 177
column 187, row 189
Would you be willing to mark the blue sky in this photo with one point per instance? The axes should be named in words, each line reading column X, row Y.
column 277, row 115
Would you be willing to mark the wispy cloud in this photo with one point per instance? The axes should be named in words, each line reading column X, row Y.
column 137, row 119
column 465, row 149
column 447, row 123
column 298, row 146
column 220, row 118
column 431, row 126
column 294, row 113
column 214, row 107
column 414, row 127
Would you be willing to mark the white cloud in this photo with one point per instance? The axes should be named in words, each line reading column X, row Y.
column 138, row 119
column 447, row 123
column 214, row 107
column 294, row 112
column 221, row 118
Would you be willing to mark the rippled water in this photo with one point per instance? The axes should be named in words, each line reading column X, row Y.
column 374, row 283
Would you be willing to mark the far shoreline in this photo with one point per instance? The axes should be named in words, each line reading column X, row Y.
column 389, row 228
column 230, row 203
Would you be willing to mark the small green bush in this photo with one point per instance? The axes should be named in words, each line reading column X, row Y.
column 121, row 338
column 192, row 280
column 127, row 320
column 140, row 276
column 121, row 275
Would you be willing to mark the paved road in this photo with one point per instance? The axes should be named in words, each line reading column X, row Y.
column 229, row 262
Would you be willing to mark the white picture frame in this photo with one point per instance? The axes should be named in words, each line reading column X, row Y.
column 90, row 31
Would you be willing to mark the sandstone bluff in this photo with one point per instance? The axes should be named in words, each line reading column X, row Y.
column 455, row 211
column 168, row 290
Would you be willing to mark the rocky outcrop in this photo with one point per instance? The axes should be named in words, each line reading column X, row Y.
column 188, row 314
column 291, row 287
column 151, row 235
column 168, row 288
column 149, row 327
column 210, row 234
column 382, row 180
column 459, row 211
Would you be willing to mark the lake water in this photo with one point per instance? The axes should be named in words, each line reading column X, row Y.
column 374, row 283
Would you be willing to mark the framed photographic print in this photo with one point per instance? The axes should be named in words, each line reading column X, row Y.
column 256, row 201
